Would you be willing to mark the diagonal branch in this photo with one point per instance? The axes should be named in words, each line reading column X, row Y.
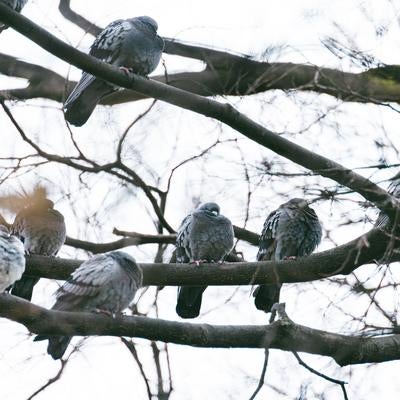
column 222, row 112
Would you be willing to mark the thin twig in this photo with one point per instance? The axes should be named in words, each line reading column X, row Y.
column 262, row 377
column 130, row 345
column 320, row 374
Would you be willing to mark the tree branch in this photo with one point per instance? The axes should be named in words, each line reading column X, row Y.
column 345, row 350
column 222, row 112
column 341, row 260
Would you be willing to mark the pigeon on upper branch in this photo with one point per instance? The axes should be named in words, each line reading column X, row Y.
column 131, row 44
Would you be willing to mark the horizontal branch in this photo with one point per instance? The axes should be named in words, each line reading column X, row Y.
column 282, row 334
column 341, row 260
column 222, row 112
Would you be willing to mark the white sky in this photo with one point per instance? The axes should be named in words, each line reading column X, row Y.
column 104, row 369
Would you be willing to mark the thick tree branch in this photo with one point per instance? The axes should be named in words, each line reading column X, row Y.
column 345, row 350
column 222, row 112
column 341, row 260
column 238, row 75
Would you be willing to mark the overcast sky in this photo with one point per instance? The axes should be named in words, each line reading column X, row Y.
column 294, row 29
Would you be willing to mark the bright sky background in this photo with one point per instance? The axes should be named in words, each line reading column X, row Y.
column 104, row 369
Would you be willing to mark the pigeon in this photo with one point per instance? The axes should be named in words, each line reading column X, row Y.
column 131, row 44
column 41, row 228
column 12, row 259
column 204, row 236
column 16, row 5
column 394, row 189
column 105, row 283
column 293, row 230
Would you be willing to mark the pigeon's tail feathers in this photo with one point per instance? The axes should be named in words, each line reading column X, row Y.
column 84, row 98
column 265, row 296
column 24, row 287
column 189, row 301
column 57, row 344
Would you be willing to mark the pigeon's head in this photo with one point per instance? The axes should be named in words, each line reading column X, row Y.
column 211, row 209
column 149, row 22
column 122, row 257
column 297, row 203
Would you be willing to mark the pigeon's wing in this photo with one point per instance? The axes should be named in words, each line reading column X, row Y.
column 268, row 236
column 106, row 47
column 266, row 295
column 313, row 232
column 86, row 282
column 183, row 252
column 12, row 260
column 394, row 190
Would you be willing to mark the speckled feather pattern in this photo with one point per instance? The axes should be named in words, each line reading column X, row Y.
column 293, row 230
column 132, row 43
column 12, row 259
column 289, row 231
column 41, row 228
column 393, row 189
column 42, row 231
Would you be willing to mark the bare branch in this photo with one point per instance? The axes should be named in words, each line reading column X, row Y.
column 262, row 377
column 222, row 112
column 315, row 372
column 341, row 260
column 345, row 350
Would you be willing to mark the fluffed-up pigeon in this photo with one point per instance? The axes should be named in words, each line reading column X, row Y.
column 293, row 230
column 204, row 236
column 41, row 228
column 104, row 283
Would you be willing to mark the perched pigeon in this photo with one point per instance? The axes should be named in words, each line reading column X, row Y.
column 394, row 190
column 42, row 230
column 16, row 5
column 293, row 230
column 204, row 236
column 104, row 283
column 129, row 44
column 12, row 259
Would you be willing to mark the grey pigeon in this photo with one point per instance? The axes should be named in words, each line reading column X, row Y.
column 293, row 230
column 104, row 283
column 131, row 44
column 394, row 189
column 204, row 236
column 42, row 230
column 16, row 5
column 12, row 259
